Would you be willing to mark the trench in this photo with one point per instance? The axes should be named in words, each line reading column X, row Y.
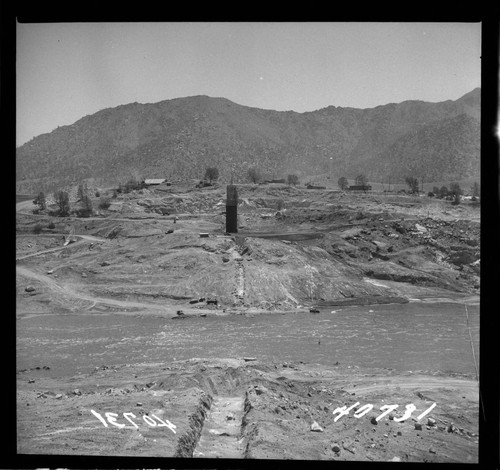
column 189, row 440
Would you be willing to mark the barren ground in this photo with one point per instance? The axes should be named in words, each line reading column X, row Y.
column 296, row 249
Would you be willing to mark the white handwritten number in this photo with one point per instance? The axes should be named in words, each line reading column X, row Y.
column 409, row 410
column 100, row 418
column 127, row 416
column 363, row 410
column 344, row 410
column 168, row 424
column 428, row 410
column 149, row 420
column 112, row 420
column 389, row 408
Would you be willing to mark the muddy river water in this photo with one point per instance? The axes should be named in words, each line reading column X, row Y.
column 415, row 336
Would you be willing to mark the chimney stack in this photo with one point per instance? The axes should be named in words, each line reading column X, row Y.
column 232, row 209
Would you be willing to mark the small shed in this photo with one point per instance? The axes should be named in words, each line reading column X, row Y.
column 360, row 187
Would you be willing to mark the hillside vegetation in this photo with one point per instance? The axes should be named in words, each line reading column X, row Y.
column 180, row 138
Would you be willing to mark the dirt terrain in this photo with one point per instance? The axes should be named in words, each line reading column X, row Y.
column 160, row 252
column 237, row 408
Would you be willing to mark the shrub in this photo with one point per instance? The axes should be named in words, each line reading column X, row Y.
column 104, row 203
column 51, row 225
column 292, row 180
column 211, row 174
column 37, row 229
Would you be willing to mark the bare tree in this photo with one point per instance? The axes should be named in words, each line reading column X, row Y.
column 254, row 174
column 62, row 200
column 412, row 182
column 343, row 183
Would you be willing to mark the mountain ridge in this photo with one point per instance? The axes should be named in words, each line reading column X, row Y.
column 179, row 138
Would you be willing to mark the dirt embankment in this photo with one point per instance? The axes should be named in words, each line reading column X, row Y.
column 241, row 408
column 295, row 250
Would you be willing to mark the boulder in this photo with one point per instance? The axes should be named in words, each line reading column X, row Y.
column 316, row 427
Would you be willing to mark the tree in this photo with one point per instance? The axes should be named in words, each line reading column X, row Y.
column 455, row 191
column 343, row 183
column 211, row 174
column 361, row 180
column 443, row 192
column 254, row 174
column 412, row 182
column 82, row 191
column 435, row 190
column 40, row 201
column 86, row 206
column 475, row 190
column 62, row 200
column 292, row 180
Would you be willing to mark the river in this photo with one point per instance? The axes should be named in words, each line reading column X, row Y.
column 415, row 336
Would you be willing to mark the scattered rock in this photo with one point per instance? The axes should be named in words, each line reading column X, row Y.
column 76, row 392
column 431, row 422
column 418, row 426
column 316, row 427
column 59, row 396
column 374, row 421
column 336, row 448
column 431, row 450
column 30, row 289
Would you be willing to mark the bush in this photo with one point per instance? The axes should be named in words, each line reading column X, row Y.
column 51, row 225
column 97, row 194
column 292, row 180
column 430, row 194
column 37, row 229
column 104, row 203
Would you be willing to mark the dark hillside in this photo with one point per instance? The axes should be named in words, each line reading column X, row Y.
column 179, row 138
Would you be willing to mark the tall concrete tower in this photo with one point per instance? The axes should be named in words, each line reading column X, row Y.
column 232, row 209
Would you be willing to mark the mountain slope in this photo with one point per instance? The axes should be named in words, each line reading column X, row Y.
column 179, row 138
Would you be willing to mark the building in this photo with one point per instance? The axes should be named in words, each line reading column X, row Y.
column 361, row 187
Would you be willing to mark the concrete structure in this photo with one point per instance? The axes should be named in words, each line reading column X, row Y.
column 232, row 209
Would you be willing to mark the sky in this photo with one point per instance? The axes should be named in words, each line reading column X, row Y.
column 65, row 71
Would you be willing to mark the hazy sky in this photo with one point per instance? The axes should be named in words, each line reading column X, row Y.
column 68, row 70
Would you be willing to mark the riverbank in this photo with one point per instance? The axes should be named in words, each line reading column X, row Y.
column 243, row 408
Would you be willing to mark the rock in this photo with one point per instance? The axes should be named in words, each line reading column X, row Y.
column 431, row 450
column 336, row 448
column 84, row 275
column 29, row 289
column 138, row 404
column 77, row 392
column 418, row 426
column 59, row 396
column 225, row 259
column 316, row 427
column 374, row 421
column 396, row 459
column 431, row 422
